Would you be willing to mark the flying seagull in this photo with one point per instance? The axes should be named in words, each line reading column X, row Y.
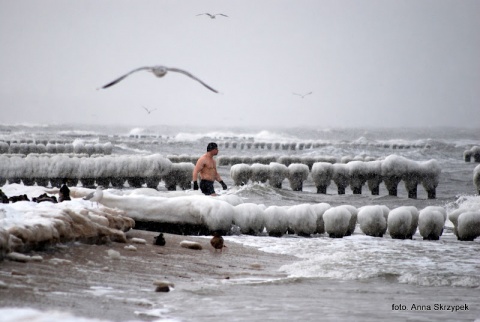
column 159, row 71
column 303, row 95
column 149, row 111
column 212, row 16
column 95, row 196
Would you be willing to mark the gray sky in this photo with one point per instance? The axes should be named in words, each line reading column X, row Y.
column 368, row 62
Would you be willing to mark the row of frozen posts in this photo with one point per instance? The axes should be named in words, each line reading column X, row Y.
column 139, row 170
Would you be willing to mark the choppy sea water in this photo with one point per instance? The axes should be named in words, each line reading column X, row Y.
column 356, row 278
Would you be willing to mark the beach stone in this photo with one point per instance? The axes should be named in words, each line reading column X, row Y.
column 17, row 273
column 18, row 257
column 163, row 286
column 190, row 245
column 139, row 241
column 113, row 254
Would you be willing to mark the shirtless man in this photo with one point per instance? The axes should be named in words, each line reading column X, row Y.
column 206, row 167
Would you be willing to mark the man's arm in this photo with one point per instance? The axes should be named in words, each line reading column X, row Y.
column 219, row 179
column 198, row 167
column 217, row 176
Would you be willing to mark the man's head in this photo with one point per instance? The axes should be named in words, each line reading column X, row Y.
column 212, row 146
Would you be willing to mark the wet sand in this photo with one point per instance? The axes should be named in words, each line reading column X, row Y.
column 84, row 280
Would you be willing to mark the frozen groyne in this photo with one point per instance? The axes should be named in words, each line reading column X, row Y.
column 356, row 174
column 27, row 147
column 472, row 154
column 25, row 226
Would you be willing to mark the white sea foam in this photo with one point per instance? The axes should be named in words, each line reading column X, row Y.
column 33, row 315
column 261, row 136
column 360, row 257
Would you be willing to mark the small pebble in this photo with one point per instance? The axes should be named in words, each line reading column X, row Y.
column 58, row 261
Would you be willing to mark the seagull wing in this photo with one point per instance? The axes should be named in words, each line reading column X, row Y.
column 124, row 76
column 89, row 196
column 221, row 14
column 309, row 93
column 191, row 76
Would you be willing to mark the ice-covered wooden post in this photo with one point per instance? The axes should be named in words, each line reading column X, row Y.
column 358, row 176
column 431, row 175
column 297, row 173
column 467, row 155
column 340, row 177
column 412, row 178
column 374, row 176
column 393, row 169
column 476, row 178
column 322, row 173
column 278, row 173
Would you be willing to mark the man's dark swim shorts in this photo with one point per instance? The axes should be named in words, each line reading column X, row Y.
column 207, row 187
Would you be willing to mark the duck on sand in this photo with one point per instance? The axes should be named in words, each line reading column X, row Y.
column 217, row 241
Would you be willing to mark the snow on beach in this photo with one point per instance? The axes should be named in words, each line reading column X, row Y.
column 27, row 225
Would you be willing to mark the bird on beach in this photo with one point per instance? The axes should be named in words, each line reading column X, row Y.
column 212, row 16
column 217, row 241
column 303, row 95
column 149, row 111
column 95, row 196
column 158, row 71
column 159, row 240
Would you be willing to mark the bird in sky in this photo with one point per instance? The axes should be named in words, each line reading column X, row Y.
column 158, row 71
column 95, row 196
column 149, row 111
column 212, row 16
column 303, row 95
column 217, row 241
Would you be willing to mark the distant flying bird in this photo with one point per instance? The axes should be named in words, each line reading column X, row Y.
column 95, row 196
column 303, row 95
column 158, row 71
column 217, row 241
column 149, row 111
column 212, row 16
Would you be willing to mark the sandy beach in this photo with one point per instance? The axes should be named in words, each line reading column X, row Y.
column 86, row 281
